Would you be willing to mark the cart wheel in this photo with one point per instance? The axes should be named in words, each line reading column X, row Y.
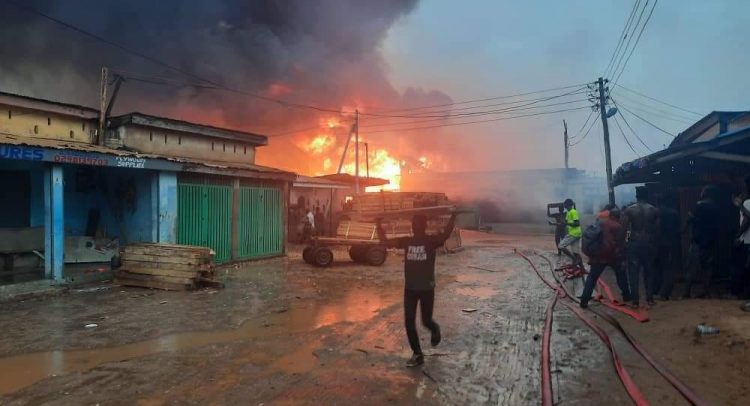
column 356, row 253
column 376, row 255
column 307, row 255
column 322, row 257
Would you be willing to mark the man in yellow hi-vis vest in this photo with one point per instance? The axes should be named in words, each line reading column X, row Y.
column 571, row 244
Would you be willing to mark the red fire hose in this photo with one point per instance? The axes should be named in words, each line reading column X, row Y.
column 681, row 387
column 627, row 381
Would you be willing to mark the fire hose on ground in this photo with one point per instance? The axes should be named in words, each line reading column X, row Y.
column 564, row 296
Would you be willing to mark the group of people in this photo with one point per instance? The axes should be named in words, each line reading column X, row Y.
column 643, row 242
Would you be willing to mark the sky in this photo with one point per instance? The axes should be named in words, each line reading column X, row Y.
column 692, row 54
column 390, row 54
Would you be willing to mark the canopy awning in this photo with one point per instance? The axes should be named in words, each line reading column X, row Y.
column 727, row 154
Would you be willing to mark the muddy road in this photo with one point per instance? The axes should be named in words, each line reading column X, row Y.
column 283, row 333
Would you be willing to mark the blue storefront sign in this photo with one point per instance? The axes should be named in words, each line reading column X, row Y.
column 25, row 153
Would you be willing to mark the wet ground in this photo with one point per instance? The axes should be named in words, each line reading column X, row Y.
column 282, row 332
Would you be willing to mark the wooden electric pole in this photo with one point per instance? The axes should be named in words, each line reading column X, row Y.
column 102, row 105
column 605, row 127
column 567, row 145
column 367, row 159
column 356, row 152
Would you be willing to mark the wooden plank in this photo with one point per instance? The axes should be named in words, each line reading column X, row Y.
column 164, row 252
column 152, row 284
column 173, row 246
column 164, row 265
column 142, row 277
column 126, row 256
column 162, row 272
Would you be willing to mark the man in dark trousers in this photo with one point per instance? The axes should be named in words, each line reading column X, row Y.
column 705, row 231
column 609, row 255
column 419, row 276
column 642, row 225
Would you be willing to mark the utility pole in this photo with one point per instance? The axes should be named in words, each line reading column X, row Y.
column 367, row 159
column 102, row 105
column 346, row 148
column 605, row 127
column 567, row 145
column 356, row 152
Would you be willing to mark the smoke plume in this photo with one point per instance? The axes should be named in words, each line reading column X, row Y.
column 324, row 52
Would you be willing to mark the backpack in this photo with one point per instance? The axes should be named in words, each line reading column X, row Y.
column 592, row 241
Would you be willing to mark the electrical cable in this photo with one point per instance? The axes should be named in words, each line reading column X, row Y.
column 657, row 100
column 637, row 40
column 622, row 37
column 504, row 111
column 593, row 123
column 644, row 120
column 474, row 122
column 627, row 141
column 630, row 38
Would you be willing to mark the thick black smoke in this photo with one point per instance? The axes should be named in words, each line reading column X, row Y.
column 321, row 52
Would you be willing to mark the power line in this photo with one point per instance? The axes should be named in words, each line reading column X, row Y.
column 481, row 100
column 650, row 108
column 622, row 37
column 474, row 122
column 631, row 128
column 537, row 99
column 630, row 38
column 657, row 100
column 580, row 131
column 657, row 113
column 637, row 39
column 626, row 138
column 486, row 113
column 593, row 123
column 644, row 120
column 477, row 112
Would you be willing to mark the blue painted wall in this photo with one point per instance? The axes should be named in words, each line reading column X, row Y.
column 123, row 197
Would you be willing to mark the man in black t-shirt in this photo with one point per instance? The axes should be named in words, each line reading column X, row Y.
column 419, row 277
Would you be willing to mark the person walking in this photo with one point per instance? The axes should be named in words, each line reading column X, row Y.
column 641, row 222
column 419, row 279
column 610, row 254
column 571, row 243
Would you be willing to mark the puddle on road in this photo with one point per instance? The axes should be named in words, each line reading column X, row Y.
column 23, row 370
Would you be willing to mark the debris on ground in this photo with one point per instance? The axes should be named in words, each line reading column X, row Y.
column 91, row 325
column 469, row 310
column 704, row 330
column 167, row 267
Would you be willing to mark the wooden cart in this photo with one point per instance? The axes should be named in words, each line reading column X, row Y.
column 361, row 238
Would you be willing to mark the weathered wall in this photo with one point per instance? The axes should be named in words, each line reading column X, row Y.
column 122, row 196
column 172, row 143
column 33, row 123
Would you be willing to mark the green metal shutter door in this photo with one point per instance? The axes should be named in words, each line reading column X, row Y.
column 204, row 218
column 260, row 232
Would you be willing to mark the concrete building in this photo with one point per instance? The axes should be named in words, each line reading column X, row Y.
column 74, row 198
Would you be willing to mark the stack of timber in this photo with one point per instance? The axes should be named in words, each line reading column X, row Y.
column 391, row 201
column 166, row 267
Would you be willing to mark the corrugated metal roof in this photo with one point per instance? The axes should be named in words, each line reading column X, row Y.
column 315, row 182
column 186, row 127
column 190, row 165
column 34, row 103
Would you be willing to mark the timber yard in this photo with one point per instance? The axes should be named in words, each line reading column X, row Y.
column 399, row 202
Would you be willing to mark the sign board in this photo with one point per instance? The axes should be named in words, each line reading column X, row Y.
column 26, row 153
